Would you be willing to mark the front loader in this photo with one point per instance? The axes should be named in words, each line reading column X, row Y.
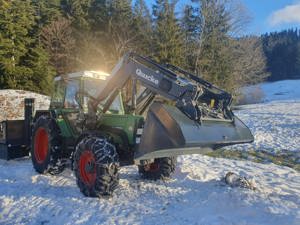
column 170, row 112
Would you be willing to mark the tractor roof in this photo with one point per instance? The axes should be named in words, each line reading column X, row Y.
column 85, row 74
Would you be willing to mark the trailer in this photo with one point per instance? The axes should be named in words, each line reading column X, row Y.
column 15, row 135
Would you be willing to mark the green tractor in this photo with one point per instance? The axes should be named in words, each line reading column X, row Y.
column 90, row 124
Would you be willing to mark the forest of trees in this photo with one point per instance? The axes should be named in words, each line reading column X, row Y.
column 282, row 50
column 43, row 38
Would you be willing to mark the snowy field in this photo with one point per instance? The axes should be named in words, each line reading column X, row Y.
column 275, row 125
column 272, row 91
column 196, row 194
column 275, row 122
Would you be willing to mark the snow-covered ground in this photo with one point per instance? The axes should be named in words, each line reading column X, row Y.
column 274, row 91
column 195, row 195
column 275, row 125
column 281, row 90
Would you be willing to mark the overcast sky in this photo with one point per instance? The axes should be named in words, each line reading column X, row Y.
column 267, row 15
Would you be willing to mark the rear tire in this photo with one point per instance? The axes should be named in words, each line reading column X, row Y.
column 46, row 146
column 161, row 168
column 96, row 165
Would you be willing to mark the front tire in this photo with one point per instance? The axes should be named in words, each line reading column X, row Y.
column 161, row 168
column 46, row 146
column 96, row 165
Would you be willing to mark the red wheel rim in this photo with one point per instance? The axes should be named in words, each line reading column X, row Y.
column 87, row 167
column 41, row 145
column 154, row 167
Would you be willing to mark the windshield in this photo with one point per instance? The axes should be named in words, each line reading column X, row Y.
column 93, row 87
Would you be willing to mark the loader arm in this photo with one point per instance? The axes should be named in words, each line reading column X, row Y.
column 200, row 121
column 194, row 97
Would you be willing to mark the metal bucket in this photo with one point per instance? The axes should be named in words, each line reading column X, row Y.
column 169, row 132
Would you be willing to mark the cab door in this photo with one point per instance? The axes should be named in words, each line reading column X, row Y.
column 71, row 107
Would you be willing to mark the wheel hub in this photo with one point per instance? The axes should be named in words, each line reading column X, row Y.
column 89, row 167
column 152, row 167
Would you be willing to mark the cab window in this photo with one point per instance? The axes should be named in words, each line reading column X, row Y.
column 116, row 106
column 71, row 91
column 58, row 94
column 93, row 88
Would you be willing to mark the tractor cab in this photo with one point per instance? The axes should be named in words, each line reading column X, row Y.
column 74, row 91
column 71, row 101
column 71, row 98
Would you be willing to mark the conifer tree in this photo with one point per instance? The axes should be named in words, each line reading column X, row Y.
column 16, row 19
column 98, row 14
column 168, row 36
column 142, row 18
column 77, row 11
column 215, row 63
column 281, row 50
column 41, row 74
column 121, row 30
column 298, row 61
column 190, row 24
column 22, row 61
column 47, row 11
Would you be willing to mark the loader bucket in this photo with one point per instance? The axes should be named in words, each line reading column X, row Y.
column 169, row 132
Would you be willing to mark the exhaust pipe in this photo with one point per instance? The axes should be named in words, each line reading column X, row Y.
column 28, row 116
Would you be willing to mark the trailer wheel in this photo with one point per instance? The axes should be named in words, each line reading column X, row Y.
column 161, row 168
column 96, row 165
column 46, row 146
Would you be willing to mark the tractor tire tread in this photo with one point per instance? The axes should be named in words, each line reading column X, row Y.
column 107, row 166
column 167, row 166
column 53, row 165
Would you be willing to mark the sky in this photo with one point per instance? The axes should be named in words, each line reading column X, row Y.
column 266, row 15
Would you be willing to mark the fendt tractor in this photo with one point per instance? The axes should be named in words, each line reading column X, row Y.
column 90, row 126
